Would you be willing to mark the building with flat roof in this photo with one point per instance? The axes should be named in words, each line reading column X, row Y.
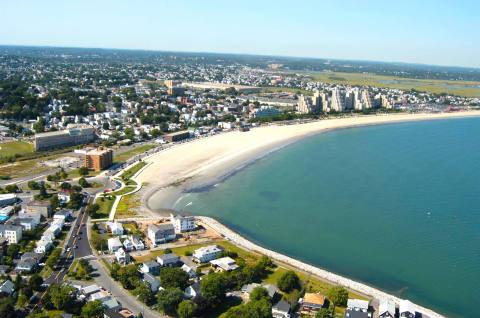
column 39, row 207
column 176, row 136
column 73, row 135
column 98, row 159
column 7, row 199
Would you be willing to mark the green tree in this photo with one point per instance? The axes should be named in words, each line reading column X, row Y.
column 12, row 188
column 7, row 308
column 92, row 209
column 60, row 296
column 324, row 313
column 83, row 171
column 338, row 296
column 53, row 258
column 39, row 125
column 259, row 293
column 144, row 294
column 288, row 281
column 172, row 277
column 76, row 200
column 93, row 309
column 213, row 288
column 83, row 183
column 186, row 309
column 35, row 281
column 33, row 185
column 168, row 300
column 13, row 250
column 54, row 201
column 65, row 186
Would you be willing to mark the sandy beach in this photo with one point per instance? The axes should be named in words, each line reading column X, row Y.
column 206, row 161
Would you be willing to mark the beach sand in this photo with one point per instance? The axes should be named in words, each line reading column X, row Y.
column 206, row 161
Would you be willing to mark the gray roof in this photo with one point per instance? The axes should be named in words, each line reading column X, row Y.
column 150, row 264
column 162, row 227
column 7, row 287
column 169, row 257
column 149, row 278
column 35, row 256
column 282, row 306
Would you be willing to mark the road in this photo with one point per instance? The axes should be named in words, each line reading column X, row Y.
column 123, row 296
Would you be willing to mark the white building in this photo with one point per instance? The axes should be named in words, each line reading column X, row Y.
column 386, row 309
column 43, row 246
column 183, row 223
column 407, row 309
column 224, row 264
column 207, row 253
column 137, row 243
column 161, row 233
column 114, row 244
column 115, row 227
column 13, row 233
column 122, row 256
column 7, row 199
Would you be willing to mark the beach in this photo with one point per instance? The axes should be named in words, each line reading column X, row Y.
column 199, row 164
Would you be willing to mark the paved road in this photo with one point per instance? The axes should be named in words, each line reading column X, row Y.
column 123, row 297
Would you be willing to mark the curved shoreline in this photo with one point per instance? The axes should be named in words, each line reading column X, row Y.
column 227, row 162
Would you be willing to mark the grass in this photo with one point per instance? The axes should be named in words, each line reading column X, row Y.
column 22, row 168
column 75, row 173
column 124, row 156
column 125, row 190
column 279, row 89
column 127, row 206
column 130, row 172
column 13, row 148
column 105, row 207
column 461, row 88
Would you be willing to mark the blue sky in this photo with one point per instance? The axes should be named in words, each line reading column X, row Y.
column 424, row 31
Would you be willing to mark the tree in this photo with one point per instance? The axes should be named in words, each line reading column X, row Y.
column 39, row 125
column 76, row 200
column 60, row 296
column 93, row 309
column 7, row 309
column 53, row 258
column 168, row 300
column 172, row 277
column 12, row 188
column 338, row 296
column 213, row 288
column 83, row 182
column 33, row 185
column 259, row 293
column 324, row 313
column 186, row 309
column 253, row 309
column 43, row 191
column 288, row 281
column 13, row 250
column 65, row 186
column 144, row 294
column 35, row 281
column 92, row 209
column 83, row 171
column 54, row 201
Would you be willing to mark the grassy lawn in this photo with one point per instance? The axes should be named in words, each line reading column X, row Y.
column 286, row 90
column 105, row 207
column 13, row 148
column 22, row 168
column 130, row 172
column 127, row 206
column 124, row 156
column 75, row 173
column 462, row 88
column 127, row 189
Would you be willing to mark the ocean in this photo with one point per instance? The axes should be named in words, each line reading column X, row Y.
column 394, row 206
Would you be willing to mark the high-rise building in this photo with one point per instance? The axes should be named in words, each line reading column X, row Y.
column 98, row 159
column 319, row 101
column 304, row 105
column 366, row 99
column 337, row 101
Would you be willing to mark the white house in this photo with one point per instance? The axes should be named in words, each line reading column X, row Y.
column 224, row 264
column 137, row 243
column 13, row 233
column 122, row 256
column 43, row 246
column 281, row 309
column 128, row 245
column 386, row 309
column 206, row 254
column 189, row 270
column 114, row 244
column 406, row 309
column 192, row 291
column 161, row 233
column 183, row 223
column 26, row 223
column 152, row 281
column 115, row 227
column 151, row 267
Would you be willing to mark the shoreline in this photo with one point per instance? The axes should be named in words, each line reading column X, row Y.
column 236, row 152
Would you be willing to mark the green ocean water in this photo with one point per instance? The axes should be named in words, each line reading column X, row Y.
column 395, row 206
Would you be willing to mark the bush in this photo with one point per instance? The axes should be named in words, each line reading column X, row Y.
column 288, row 281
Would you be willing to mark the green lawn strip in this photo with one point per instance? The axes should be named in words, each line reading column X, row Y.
column 124, row 156
column 126, row 189
column 13, row 148
column 105, row 207
column 75, row 173
column 130, row 172
column 127, row 206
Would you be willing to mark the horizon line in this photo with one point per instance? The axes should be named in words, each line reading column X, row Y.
column 233, row 53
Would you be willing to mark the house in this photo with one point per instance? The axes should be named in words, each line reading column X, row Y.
column 115, row 228
column 7, row 288
column 169, row 259
column 206, row 254
column 122, row 313
column 54, row 229
column 248, row 288
column 63, row 215
column 89, row 290
column 43, row 246
column 137, row 243
column 111, row 303
column 100, row 296
column 36, row 256
column 190, row 270
column 8, row 199
column 311, row 303
column 128, row 245
column 224, row 264
column 192, row 291
column 4, row 269
column 183, row 223
column 281, row 309
column 26, row 265
column 26, row 223
column 151, row 267
column 13, row 233
column 272, row 290
column 406, row 309
column 152, row 281
column 386, row 309
column 63, row 197
column 122, row 256
column 114, row 244
column 44, row 208
column 357, row 308
column 161, row 233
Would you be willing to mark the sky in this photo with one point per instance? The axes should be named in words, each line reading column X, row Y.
column 423, row 31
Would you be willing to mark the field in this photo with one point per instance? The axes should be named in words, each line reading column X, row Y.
column 13, row 148
column 124, row 156
column 127, row 207
column 461, row 88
